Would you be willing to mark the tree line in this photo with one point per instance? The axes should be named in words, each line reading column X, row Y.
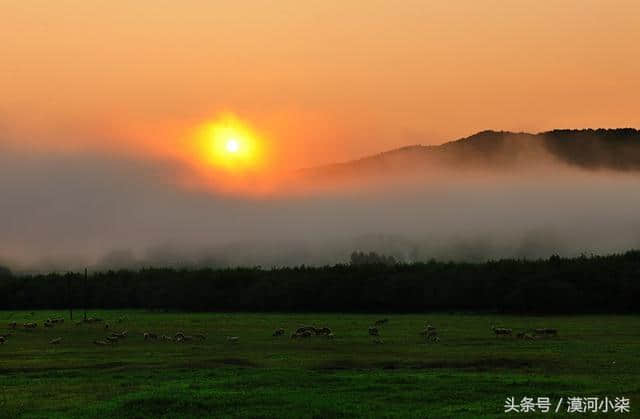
column 597, row 284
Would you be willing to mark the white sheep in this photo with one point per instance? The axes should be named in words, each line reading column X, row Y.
column 323, row 331
column 502, row 331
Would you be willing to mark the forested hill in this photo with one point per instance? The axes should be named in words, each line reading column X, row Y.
column 612, row 149
column 608, row 284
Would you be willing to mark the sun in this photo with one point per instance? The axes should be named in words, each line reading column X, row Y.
column 230, row 144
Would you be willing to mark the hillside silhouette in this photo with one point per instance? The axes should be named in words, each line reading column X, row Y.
column 599, row 149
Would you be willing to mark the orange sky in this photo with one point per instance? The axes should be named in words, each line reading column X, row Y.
column 320, row 81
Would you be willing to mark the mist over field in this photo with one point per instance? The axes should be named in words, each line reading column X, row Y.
column 70, row 210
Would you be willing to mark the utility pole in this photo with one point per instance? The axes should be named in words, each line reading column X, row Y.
column 70, row 295
column 85, row 294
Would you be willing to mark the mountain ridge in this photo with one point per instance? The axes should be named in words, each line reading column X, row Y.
column 602, row 148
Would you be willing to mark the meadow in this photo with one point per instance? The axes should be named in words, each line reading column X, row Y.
column 468, row 374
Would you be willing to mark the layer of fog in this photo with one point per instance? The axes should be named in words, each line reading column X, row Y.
column 67, row 211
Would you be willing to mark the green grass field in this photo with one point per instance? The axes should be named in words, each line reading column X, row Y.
column 468, row 374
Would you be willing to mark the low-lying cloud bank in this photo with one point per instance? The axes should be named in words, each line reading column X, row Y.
column 67, row 211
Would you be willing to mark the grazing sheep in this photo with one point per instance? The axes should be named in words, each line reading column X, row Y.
column 373, row 331
column 55, row 341
column 120, row 335
column 233, row 339
column 323, row 331
column 380, row 322
column 13, row 325
column 502, row 331
column 304, row 334
column 428, row 331
column 303, row 329
column 278, row 332
column 430, row 335
column 93, row 320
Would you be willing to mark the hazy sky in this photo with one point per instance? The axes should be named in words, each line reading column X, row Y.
column 155, row 131
column 318, row 80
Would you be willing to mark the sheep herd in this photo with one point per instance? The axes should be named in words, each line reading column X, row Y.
column 429, row 333
column 307, row 332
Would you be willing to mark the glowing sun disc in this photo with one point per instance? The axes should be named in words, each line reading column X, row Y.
column 232, row 145
column 229, row 144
